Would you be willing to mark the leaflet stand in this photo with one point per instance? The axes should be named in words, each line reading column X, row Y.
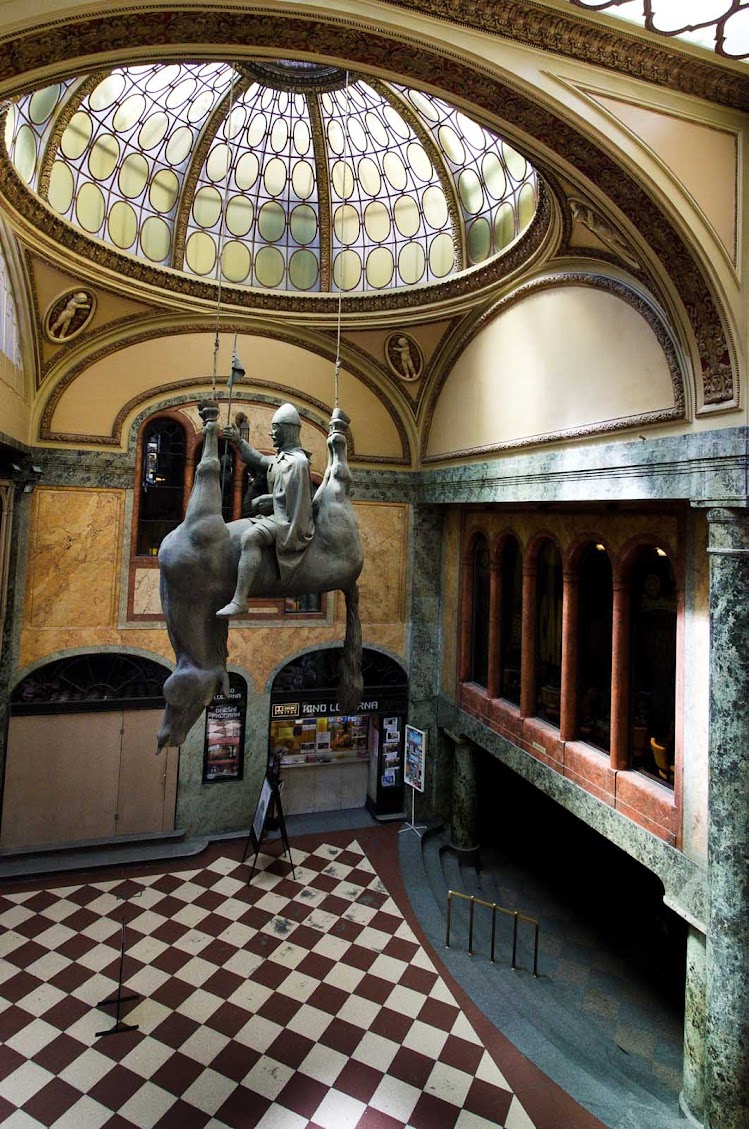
column 412, row 826
column 119, row 999
column 269, row 791
column 413, row 772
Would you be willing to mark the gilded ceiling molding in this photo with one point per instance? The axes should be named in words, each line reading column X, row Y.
column 568, row 34
column 321, row 348
column 446, row 179
column 40, row 216
column 322, row 176
column 472, row 328
column 123, row 35
column 197, row 159
column 62, row 121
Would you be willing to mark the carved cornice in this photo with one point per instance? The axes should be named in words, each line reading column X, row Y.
column 321, row 348
column 569, row 34
column 474, row 326
column 124, row 34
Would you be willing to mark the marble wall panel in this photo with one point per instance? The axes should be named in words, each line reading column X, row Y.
column 75, row 541
column 146, row 596
column 382, row 584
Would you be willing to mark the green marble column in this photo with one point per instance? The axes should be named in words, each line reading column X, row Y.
column 692, row 1097
column 727, row 967
column 464, row 817
column 425, row 646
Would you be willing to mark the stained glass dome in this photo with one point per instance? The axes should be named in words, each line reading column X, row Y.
column 275, row 175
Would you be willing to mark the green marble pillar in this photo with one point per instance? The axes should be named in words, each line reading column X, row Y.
column 425, row 631
column 692, row 1097
column 727, row 968
column 464, row 817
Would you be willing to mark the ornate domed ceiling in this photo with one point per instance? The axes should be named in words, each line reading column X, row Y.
column 274, row 175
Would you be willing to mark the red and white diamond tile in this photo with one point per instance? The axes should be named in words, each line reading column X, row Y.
column 299, row 1000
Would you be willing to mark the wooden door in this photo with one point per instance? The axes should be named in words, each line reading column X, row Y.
column 70, row 777
column 61, row 778
column 148, row 782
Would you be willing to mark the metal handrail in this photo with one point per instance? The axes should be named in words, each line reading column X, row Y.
column 513, row 913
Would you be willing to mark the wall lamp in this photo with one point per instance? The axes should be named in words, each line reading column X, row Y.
column 26, row 475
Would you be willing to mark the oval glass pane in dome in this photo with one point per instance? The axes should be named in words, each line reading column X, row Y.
column 77, row 135
column 269, row 267
column 103, row 157
column 43, row 103
column 164, row 190
column 298, row 171
column 380, row 267
column 122, row 225
column 61, row 187
column 236, row 261
column 240, row 215
column 303, row 224
column 153, row 130
column 303, row 270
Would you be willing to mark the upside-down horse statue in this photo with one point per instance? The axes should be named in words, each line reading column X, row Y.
column 292, row 544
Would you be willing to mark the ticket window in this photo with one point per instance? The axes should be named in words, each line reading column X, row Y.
column 322, row 762
column 319, row 740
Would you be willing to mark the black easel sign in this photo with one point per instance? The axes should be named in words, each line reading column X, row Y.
column 269, row 792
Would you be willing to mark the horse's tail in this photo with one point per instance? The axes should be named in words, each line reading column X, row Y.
column 351, row 684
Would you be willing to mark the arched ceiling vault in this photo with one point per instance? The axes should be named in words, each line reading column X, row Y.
column 543, row 130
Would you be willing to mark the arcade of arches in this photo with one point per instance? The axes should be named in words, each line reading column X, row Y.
column 510, row 241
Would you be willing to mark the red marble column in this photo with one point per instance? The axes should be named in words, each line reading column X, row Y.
column 494, row 679
column 528, row 646
column 570, row 603
column 620, row 674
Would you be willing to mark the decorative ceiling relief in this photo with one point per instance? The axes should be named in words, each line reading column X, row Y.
column 526, row 121
column 404, row 357
column 69, row 315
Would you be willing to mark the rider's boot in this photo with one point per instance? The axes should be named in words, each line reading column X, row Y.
column 248, row 561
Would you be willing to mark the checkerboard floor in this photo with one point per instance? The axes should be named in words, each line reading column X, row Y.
column 300, row 999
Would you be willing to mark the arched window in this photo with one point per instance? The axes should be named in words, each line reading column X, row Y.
column 230, row 509
column 653, row 634
column 161, row 483
column 480, row 613
column 594, row 637
column 511, row 619
column 548, row 633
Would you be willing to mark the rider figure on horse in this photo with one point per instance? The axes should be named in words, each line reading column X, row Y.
column 282, row 518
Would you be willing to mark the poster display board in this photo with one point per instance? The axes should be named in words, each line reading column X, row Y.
column 223, row 749
column 416, row 743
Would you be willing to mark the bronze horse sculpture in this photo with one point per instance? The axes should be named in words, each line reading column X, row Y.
column 199, row 560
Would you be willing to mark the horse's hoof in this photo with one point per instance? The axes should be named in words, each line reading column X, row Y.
column 232, row 608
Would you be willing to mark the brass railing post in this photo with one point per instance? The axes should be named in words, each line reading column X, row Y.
column 514, row 940
column 449, row 915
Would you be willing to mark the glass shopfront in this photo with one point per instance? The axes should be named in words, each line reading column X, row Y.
column 327, row 760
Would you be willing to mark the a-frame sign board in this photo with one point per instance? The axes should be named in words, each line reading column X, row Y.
column 269, row 791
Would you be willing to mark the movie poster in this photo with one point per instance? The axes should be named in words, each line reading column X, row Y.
column 416, row 740
column 223, row 755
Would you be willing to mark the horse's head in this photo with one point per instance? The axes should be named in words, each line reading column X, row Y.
column 187, row 692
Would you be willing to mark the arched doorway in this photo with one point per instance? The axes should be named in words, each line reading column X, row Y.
column 330, row 761
column 81, row 760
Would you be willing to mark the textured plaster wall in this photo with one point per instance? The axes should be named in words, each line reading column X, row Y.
column 89, row 405
column 14, row 409
column 557, row 360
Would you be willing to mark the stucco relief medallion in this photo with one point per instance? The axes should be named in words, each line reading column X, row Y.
column 404, row 356
column 69, row 314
